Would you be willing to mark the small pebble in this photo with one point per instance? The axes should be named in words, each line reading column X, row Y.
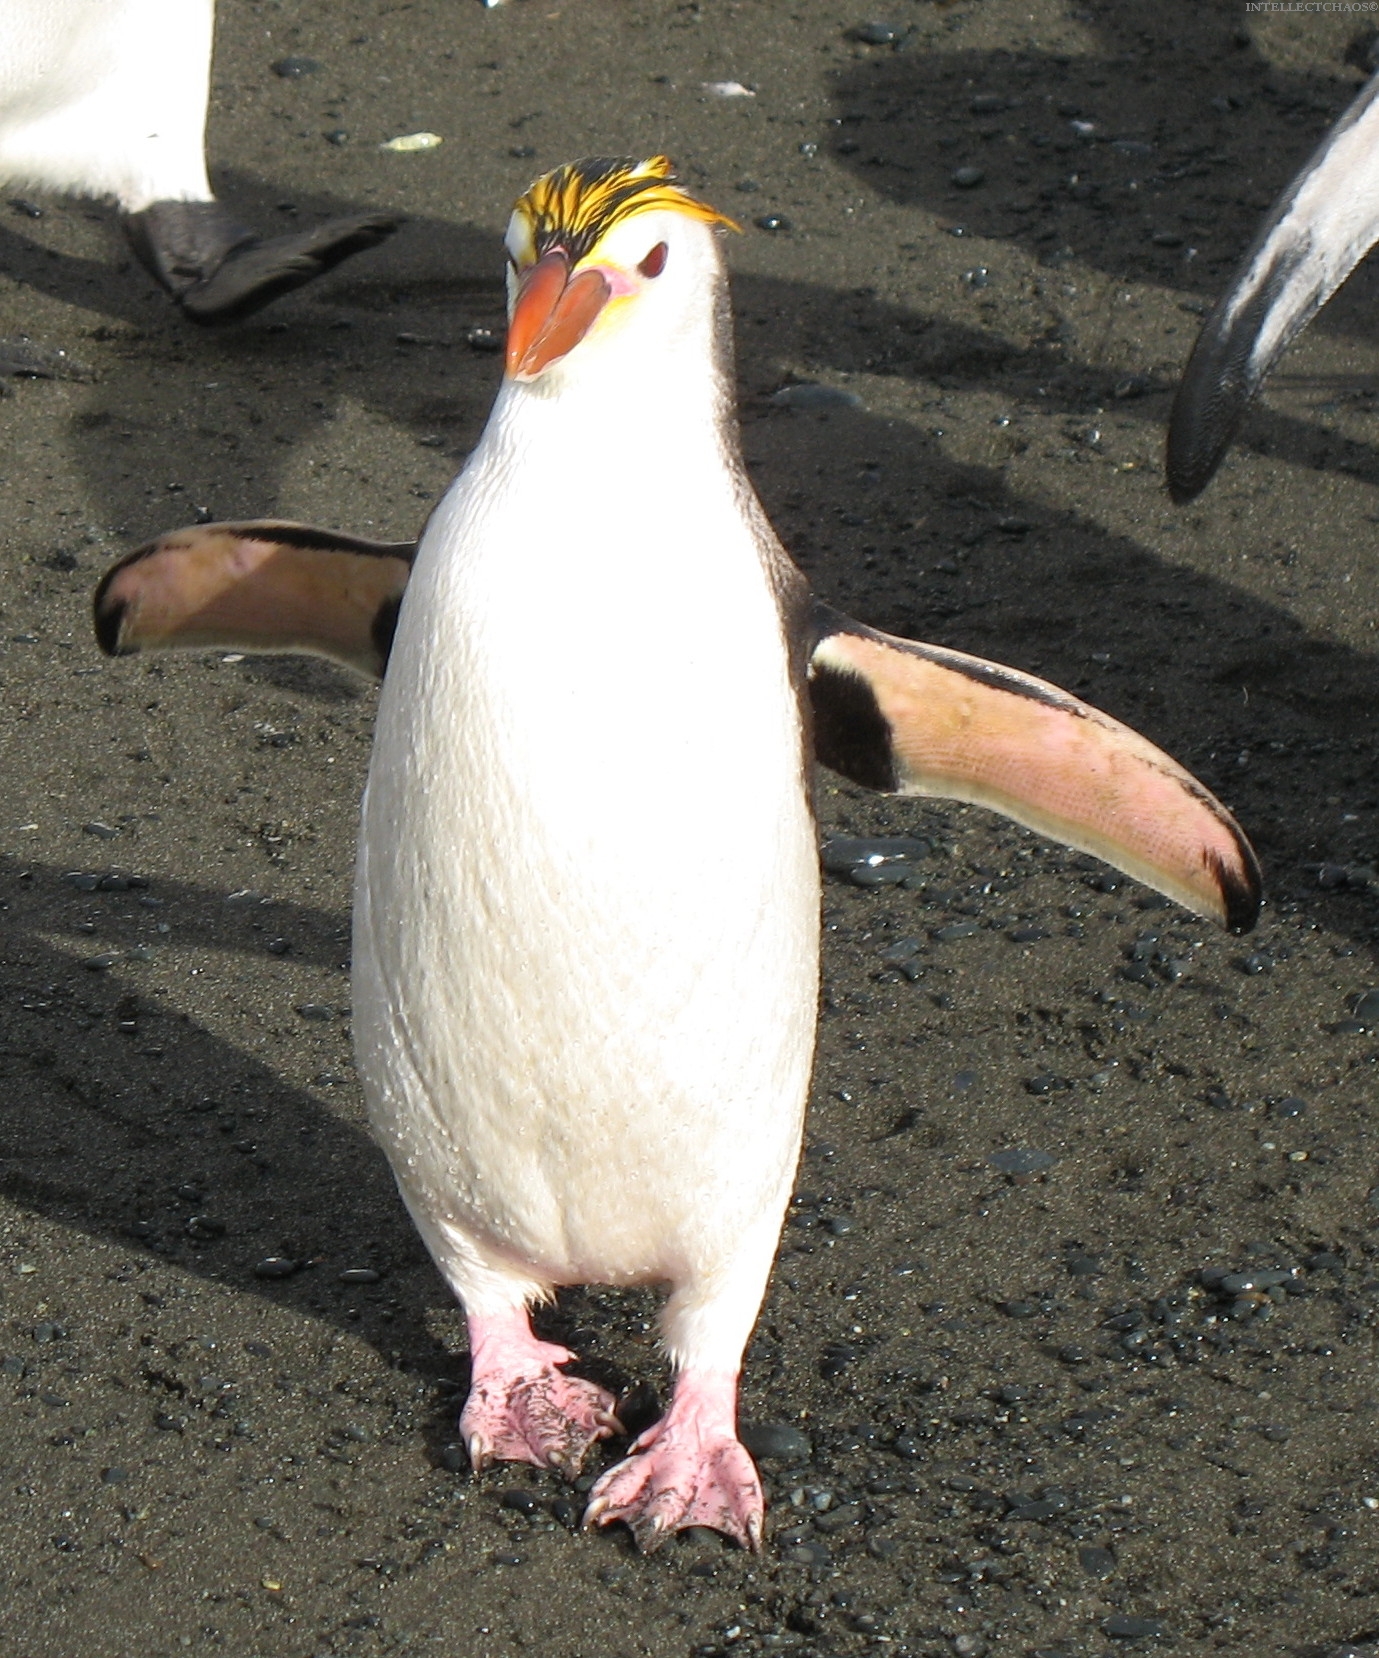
column 955, row 930
column 839, row 1519
column 412, row 141
column 1022, row 1160
column 902, row 950
column 520, row 1501
column 875, row 34
column 727, row 89
column 811, row 397
column 360, row 1275
column 1046, row 1083
column 1096, row 1562
column 483, row 339
column 775, row 223
column 1365, row 1008
column 274, row 1266
column 841, row 854
column 102, row 831
column 293, row 68
column 776, row 1442
column 1122, row 1627
column 317, row 1011
column 967, row 178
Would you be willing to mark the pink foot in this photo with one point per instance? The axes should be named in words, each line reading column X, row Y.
column 690, row 1469
column 521, row 1409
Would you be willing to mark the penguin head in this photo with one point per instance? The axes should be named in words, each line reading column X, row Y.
column 608, row 258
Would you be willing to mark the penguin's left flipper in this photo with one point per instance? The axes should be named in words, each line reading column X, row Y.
column 917, row 719
column 257, row 586
column 1318, row 231
column 219, row 271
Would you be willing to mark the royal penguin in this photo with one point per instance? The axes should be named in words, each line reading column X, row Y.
column 584, row 1014
column 108, row 98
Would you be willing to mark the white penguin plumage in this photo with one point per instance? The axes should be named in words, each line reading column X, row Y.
column 108, row 98
column 575, row 679
column 70, row 117
column 584, row 989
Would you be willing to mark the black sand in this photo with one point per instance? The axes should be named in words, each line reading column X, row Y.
column 1031, row 1428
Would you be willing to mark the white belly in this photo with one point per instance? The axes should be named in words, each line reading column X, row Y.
column 106, row 97
column 587, row 904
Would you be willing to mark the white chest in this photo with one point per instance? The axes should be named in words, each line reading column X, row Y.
column 587, row 938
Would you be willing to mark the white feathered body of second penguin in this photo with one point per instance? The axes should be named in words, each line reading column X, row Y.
column 106, row 97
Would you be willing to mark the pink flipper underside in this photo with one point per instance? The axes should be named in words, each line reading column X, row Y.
column 689, row 1469
column 521, row 1408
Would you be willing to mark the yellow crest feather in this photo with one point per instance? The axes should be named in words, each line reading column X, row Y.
column 575, row 206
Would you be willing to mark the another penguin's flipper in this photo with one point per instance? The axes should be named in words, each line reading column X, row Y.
column 261, row 586
column 1319, row 230
column 918, row 719
column 219, row 271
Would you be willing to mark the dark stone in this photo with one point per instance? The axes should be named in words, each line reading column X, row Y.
column 775, row 1442
column 1096, row 1561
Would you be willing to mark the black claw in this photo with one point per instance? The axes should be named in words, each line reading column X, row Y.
column 218, row 271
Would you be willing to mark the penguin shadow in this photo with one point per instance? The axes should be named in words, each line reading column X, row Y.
column 893, row 531
column 122, row 1118
column 1084, row 160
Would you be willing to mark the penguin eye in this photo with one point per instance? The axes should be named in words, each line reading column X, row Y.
column 655, row 261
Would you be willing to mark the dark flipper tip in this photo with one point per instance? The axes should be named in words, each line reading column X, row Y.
column 218, row 271
column 109, row 622
column 1242, row 890
column 256, row 273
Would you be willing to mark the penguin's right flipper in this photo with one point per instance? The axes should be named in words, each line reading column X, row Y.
column 219, row 271
column 259, row 586
column 1319, row 230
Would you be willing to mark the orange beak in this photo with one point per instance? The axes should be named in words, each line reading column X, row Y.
column 552, row 314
